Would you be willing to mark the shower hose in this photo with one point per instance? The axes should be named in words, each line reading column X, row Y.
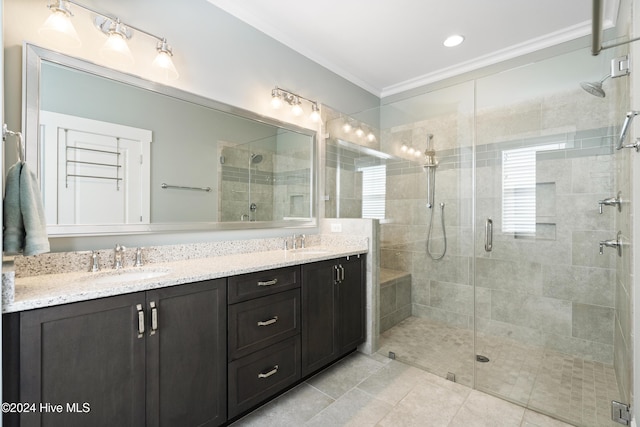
column 444, row 234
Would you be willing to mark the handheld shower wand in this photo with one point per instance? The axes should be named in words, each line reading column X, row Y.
column 430, row 168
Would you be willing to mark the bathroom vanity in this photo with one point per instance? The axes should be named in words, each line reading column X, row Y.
column 196, row 353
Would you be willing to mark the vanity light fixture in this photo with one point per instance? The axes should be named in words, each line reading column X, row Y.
column 58, row 27
column 116, row 48
column 371, row 136
column 279, row 96
column 346, row 126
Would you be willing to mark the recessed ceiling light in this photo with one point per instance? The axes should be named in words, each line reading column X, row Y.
column 453, row 40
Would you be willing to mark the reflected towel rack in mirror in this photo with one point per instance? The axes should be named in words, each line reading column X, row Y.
column 180, row 187
column 117, row 153
column 19, row 142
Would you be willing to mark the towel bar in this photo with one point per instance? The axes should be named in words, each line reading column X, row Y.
column 180, row 187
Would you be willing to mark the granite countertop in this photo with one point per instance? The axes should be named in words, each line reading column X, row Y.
column 55, row 289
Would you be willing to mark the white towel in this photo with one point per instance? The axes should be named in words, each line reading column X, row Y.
column 25, row 225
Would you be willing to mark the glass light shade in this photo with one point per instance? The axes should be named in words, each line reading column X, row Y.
column 417, row 153
column 346, row 127
column 315, row 114
column 411, row 150
column 359, row 132
column 296, row 109
column 371, row 137
column 404, row 148
column 59, row 30
column 276, row 100
column 163, row 67
column 116, row 50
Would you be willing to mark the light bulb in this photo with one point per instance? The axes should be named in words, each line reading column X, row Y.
column 359, row 132
column 276, row 99
column 296, row 109
column 315, row 113
column 58, row 27
column 116, row 50
column 404, row 148
column 346, row 127
column 411, row 150
column 417, row 153
column 371, row 137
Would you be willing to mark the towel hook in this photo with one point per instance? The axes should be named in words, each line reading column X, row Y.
column 19, row 142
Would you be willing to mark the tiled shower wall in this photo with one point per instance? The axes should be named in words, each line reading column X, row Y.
column 553, row 289
column 278, row 186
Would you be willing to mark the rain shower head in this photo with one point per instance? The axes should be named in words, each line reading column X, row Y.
column 594, row 88
column 256, row 158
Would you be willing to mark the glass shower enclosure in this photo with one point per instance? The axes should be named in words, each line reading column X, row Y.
column 522, row 305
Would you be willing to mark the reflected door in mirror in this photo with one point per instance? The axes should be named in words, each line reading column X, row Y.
column 97, row 173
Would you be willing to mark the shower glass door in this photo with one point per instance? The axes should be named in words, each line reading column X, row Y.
column 545, row 298
column 426, row 292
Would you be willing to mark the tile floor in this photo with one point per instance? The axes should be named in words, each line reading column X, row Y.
column 362, row 391
column 567, row 387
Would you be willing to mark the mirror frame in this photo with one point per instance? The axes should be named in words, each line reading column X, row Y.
column 32, row 59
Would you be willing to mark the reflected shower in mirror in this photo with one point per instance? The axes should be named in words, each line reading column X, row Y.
column 119, row 153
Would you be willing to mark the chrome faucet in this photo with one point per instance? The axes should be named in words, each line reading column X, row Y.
column 617, row 244
column 118, row 256
column 303, row 240
column 95, row 264
column 610, row 201
column 294, row 242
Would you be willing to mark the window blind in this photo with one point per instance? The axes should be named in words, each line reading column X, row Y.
column 519, row 191
column 374, row 188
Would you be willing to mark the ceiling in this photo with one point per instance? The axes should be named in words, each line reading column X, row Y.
column 387, row 47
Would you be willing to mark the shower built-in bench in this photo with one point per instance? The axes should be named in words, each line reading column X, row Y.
column 395, row 297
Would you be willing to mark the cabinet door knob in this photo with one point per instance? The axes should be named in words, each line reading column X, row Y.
column 140, row 320
column 268, row 322
column 268, row 282
column 268, row 374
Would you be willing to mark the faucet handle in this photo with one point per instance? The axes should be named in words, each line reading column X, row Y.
column 95, row 264
column 138, row 262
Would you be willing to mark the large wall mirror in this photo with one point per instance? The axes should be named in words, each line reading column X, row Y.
column 119, row 154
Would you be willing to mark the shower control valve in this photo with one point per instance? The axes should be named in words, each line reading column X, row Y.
column 617, row 244
column 610, row 201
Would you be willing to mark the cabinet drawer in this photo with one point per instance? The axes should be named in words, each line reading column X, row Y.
column 252, row 285
column 255, row 324
column 256, row 377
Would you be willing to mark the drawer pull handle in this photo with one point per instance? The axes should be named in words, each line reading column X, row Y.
column 268, row 282
column 140, row 320
column 268, row 374
column 268, row 322
column 154, row 317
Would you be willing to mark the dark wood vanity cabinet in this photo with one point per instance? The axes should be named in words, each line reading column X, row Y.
column 333, row 306
column 151, row 358
column 198, row 354
column 263, row 337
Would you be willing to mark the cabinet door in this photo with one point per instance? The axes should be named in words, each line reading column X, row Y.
column 84, row 356
column 351, row 304
column 186, row 355
column 319, row 346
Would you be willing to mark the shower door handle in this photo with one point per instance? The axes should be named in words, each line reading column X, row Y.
column 488, row 235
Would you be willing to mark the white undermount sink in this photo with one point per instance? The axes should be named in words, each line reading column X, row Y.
column 123, row 276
